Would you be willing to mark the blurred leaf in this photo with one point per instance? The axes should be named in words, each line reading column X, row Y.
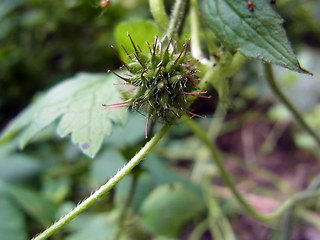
column 38, row 207
column 17, row 167
column 136, row 126
column 279, row 112
column 93, row 226
column 140, row 32
column 78, row 102
column 159, row 171
column 106, row 165
column 122, row 191
column 64, row 208
column 304, row 141
column 7, row 6
column 143, row 188
column 297, row 86
column 257, row 34
column 168, row 208
column 56, row 189
column 12, row 224
column 8, row 148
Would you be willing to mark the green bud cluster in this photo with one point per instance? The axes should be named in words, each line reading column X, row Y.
column 162, row 81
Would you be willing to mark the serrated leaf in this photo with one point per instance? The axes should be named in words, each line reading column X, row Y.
column 141, row 31
column 78, row 101
column 257, row 34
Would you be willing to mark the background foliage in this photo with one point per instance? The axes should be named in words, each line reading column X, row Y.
column 44, row 42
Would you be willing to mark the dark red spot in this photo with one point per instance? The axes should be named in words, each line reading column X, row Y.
column 250, row 6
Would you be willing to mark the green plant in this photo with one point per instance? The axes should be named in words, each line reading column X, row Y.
column 159, row 81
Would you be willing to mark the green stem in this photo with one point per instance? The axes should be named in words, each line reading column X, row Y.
column 106, row 187
column 159, row 14
column 176, row 19
column 223, row 71
column 199, row 230
column 195, row 34
column 227, row 179
column 273, row 85
column 287, row 225
column 124, row 212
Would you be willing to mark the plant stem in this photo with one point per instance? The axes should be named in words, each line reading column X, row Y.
column 309, row 193
column 159, row 14
column 195, row 34
column 199, row 230
column 222, row 71
column 124, row 212
column 106, row 187
column 176, row 19
column 273, row 85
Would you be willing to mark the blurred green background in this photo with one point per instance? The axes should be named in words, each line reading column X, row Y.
column 44, row 42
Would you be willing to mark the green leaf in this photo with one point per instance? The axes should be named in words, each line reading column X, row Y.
column 56, row 189
column 12, row 223
column 159, row 171
column 6, row 6
column 93, row 226
column 38, row 207
column 18, row 167
column 136, row 126
column 140, row 31
column 257, row 34
column 106, row 165
column 168, row 208
column 78, row 101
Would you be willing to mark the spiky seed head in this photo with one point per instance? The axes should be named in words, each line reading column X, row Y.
column 162, row 78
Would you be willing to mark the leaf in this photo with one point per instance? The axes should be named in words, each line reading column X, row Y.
column 12, row 223
column 168, row 208
column 106, row 165
column 257, row 34
column 136, row 126
column 38, row 207
column 56, row 189
column 159, row 171
column 18, row 167
column 101, row 226
column 141, row 32
column 6, row 6
column 78, row 101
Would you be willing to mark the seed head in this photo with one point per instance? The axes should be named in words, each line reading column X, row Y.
column 163, row 81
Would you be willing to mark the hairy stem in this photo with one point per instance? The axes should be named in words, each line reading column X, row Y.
column 299, row 119
column 176, row 19
column 309, row 193
column 104, row 188
column 159, row 14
